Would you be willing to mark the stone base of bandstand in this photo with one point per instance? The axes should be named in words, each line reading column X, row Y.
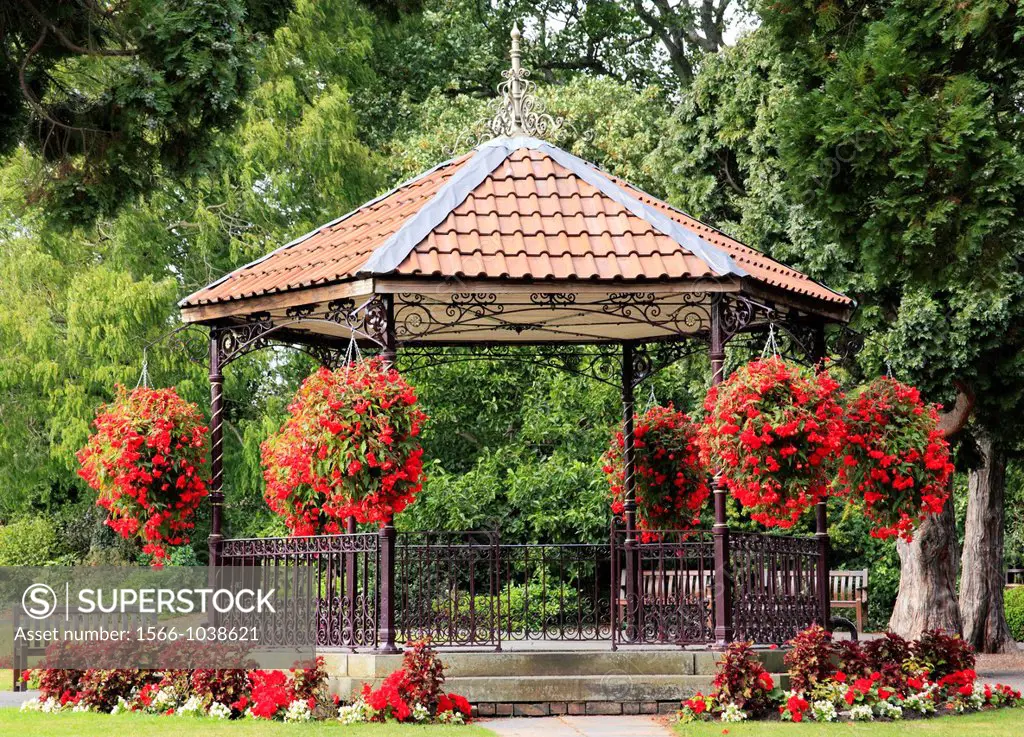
column 554, row 678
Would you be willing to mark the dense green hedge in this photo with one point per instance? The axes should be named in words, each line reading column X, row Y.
column 1015, row 612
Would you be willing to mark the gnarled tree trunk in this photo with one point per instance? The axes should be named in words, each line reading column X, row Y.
column 927, row 593
column 981, row 583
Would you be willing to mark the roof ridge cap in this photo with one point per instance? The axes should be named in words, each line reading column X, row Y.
column 486, row 158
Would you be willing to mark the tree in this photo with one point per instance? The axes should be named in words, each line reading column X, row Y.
column 877, row 146
column 928, row 567
column 109, row 95
column 925, row 206
column 79, row 301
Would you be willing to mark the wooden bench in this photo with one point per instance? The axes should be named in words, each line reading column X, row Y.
column 1014, row 577
column 849, row 589
column 77, row 622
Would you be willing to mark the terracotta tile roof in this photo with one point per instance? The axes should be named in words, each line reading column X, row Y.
column 528, row 217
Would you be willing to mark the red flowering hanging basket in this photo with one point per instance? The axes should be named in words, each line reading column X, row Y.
column 671, row 482
column 349, row 447
column 146, row 461
column 896, row 458
column 773, row 430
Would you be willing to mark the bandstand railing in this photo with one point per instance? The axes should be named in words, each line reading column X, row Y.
column 468, row 589
column 332, row 583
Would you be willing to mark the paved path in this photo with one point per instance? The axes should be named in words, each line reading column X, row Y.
column 12, row 698
column 565, row 726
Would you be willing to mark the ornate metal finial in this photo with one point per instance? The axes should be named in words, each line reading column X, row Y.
column 516, row 111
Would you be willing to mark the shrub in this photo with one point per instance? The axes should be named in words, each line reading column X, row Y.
column 30, row 541
column 941, row 654
column 810, row 658
column 853, row 661
column 743, row 681
column 219, row 686
column 424, row 674
column 1014, row 604
column 886, row 656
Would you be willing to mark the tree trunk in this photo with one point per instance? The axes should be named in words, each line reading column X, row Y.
column 927, row 594
column 981, row 582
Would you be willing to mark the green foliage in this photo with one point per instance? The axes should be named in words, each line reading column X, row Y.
column 110, row 97
column 30, row 541
column 1013, row 601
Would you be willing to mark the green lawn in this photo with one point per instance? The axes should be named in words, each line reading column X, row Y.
column 1002, row 723
column 13, row 722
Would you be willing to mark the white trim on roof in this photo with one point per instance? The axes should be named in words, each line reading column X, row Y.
column 487, row 157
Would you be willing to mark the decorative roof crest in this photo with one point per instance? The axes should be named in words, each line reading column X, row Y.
column 516, row 111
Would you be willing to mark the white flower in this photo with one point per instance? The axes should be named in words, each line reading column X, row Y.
column 451, row 717
column 420, row 713
column 733, row 713
column 219, row 711
column 824, row 711
column 165, row 699
column 32, row 705
column 50, row 706
column 298, row 711
column 80, row 707
column 921, row 702
column 123, row 706
column 861, row 713
column 355, row 713
column 193, row 706
column 890, row 711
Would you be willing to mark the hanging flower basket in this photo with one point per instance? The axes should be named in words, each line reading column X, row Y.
column 349, row 447
column 773, row 430
column 895, row 458
column 671, row 482
column 146, row 461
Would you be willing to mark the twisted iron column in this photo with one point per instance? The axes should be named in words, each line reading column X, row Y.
column 628, row 453
column 720, row 531
column 216, row 446
column 388, row 534
column 821, row 535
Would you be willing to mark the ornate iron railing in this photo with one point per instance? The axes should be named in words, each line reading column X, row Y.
column 775, row 585
column 670, row 600
column 446, row 586
column 332, row 581
column 466, row 589
column 555, row 591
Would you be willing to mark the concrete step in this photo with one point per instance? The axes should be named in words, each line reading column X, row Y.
column 370, row 666
column 608, row 687
column 617, row 687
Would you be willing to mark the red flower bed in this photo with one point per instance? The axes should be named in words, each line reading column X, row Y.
column 671, row 482
column 146, row 461
column 348, row 448
column 413, row 692
column 896, row 459
column 773, row 430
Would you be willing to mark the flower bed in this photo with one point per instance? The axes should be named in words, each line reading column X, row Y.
column 886, row 679
column 411, row 694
